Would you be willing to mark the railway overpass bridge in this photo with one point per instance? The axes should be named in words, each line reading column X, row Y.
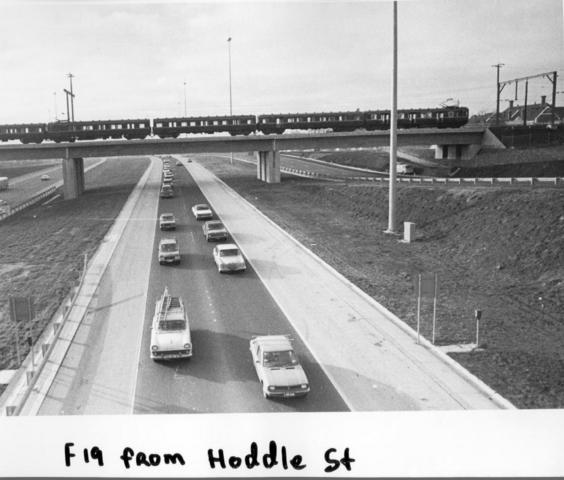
column 455, row 143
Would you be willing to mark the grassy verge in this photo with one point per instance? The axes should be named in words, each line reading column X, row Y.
column 498, row 250
column 43, row 247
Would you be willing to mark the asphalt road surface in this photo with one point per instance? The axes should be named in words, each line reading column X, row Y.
column 225, row 310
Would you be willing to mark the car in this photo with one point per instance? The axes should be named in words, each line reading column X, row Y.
column 168, row 175
column 214, row 230
column 167, row 221
column 228, row 258
column 169, row 251
column 179, row 163
column 167, row 191
column 278, row 368
column 170, row 330
column 45, row 177
column 167, row 181
column 202, row 211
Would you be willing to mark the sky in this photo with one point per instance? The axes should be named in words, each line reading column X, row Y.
column 134, row 59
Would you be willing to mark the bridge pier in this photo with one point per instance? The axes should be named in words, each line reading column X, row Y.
column 73, row 177
column 268, row 166
column 467, row 151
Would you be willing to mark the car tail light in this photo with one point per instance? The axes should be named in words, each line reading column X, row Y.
column 154, row 348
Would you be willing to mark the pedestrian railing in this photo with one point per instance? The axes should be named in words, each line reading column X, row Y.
column 482, row 181
column 24, row 380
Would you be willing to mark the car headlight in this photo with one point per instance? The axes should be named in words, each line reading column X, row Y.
column 154, row 348
column 187, row 346
column 271, row 388
column 304, row 386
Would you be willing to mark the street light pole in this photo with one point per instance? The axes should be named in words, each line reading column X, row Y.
column 184, row 98
column 393, row 130
column 498, row 92
column 71, row 76
column 230, row 91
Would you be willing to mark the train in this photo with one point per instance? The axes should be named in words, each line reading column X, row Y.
column 172, row 127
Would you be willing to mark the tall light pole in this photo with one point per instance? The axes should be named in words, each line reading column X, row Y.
column 55, row 104
column 230, row 91
column 393, row 130
column 184, row 97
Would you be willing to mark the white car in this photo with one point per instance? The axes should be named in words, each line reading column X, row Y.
column 278, row 369
column 202, row 211
column 169, row 251
column 167, row 221
column 45, row 177
column 170, row 331
column 228, row 258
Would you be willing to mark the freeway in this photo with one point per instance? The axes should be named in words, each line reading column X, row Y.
column 107, row 369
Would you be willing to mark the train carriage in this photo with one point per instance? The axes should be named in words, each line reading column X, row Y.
column 24, row 132
column 98, row 129
column 174, row 126
column 337, row 121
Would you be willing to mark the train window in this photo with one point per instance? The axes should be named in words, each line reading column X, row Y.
column 192, row 123
column 184, row 124
column 451, row 114
column 215, row 122
column 224, row 122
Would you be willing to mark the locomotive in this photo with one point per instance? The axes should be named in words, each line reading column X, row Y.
column 62, row 131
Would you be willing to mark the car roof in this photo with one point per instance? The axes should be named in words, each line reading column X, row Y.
column 271, row 343
column 168, row 240
column 227, row 246
column 204, row 205
column 213, row 222
column 167, row 214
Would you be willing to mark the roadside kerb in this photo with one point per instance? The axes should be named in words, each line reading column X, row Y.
column 28, row 401
column 445, row 359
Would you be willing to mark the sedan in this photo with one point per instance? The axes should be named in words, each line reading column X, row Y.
column 202, row 211
column 167, row 221
column 278, row 369
column 214, row 230
column 228, row 258
column 45, row 177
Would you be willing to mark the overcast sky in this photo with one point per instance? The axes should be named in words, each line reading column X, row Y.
column 131, row 59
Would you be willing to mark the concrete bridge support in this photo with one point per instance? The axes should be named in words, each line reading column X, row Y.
column 467, row 152
column 73, row 177
column 268, row 166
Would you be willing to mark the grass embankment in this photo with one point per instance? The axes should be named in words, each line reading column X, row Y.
column 498, row 250
column 43, row 247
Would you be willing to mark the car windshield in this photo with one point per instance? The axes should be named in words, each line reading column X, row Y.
column 215, row 226
column 202, row 207
column 230, row 252
column 169, row 247
column 166, row 188
column 168, row 217
column 280, row 359
column 172, row 325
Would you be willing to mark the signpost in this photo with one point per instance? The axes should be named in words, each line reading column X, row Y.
column 477, row 316
column 427, row 286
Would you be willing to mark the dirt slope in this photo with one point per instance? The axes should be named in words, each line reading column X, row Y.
column 498, row 250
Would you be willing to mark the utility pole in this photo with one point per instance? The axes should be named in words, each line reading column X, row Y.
column 393, row 130
column 71, row 95
column 525, row 107
column 498, row 90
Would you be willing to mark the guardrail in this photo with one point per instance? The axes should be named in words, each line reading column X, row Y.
column 24, row 380
column 30, row 201
column 482, row 181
